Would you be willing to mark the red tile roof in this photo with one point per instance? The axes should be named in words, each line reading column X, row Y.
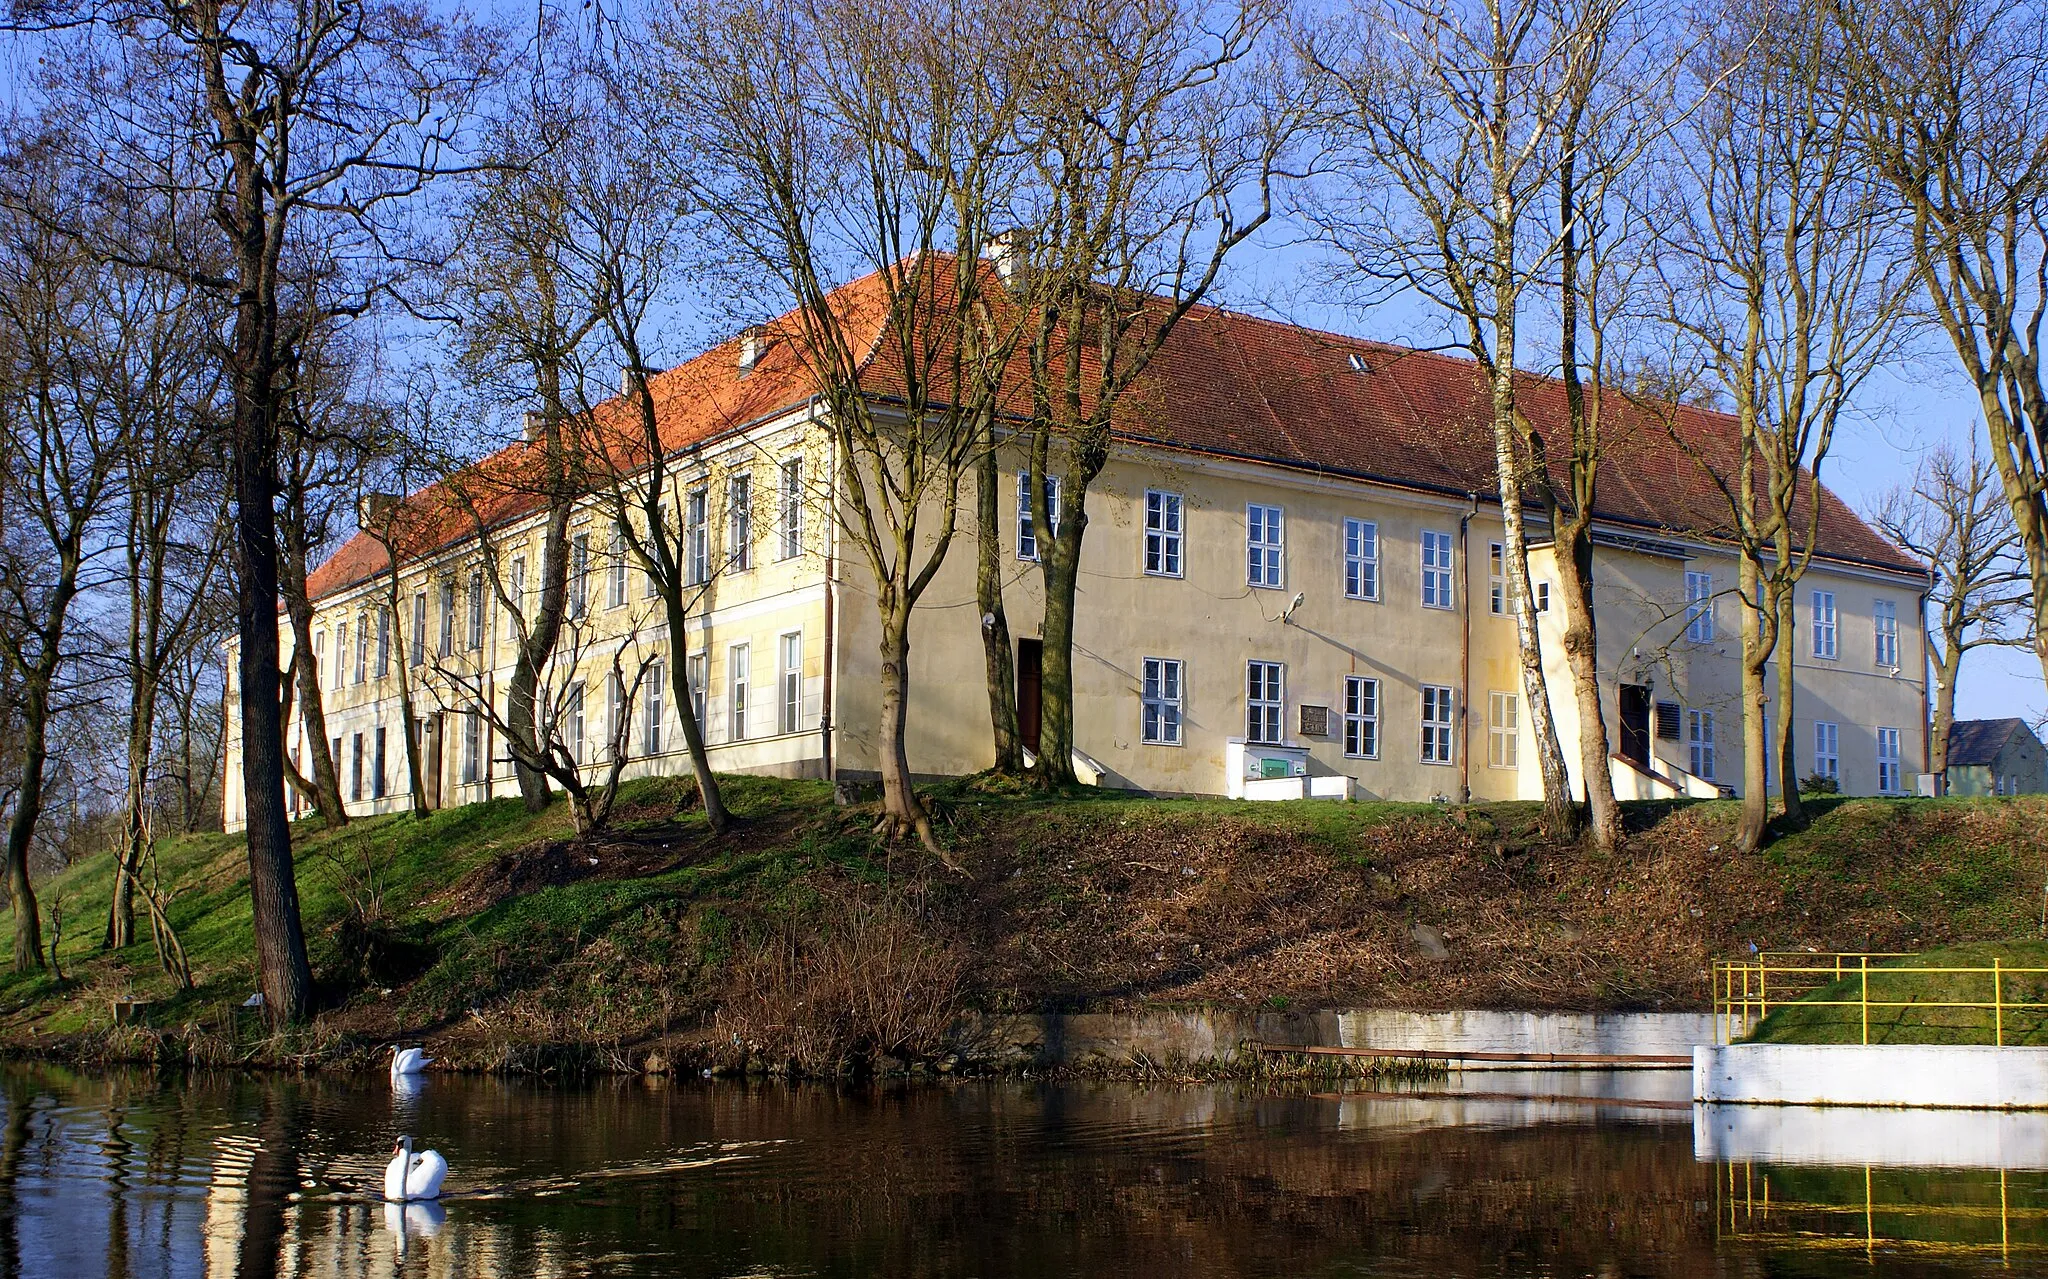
column 1226, row 384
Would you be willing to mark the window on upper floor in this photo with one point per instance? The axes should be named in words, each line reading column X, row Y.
column 1027, row 529
column 579, row 575
column 1699, row 607
column 419, row 628
column 790, row 534
column 1162, row 533
column 1265, row 546
column 1824, row 627
column 1885, row 619
column 1437, row 568
column 1496, row 579
column 476, row 612
column 616, row 572
column 1361, row 560
column 739, row 522
column 446, row 648
column 697, row 535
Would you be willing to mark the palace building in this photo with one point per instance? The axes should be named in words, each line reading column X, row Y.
column 1291, row 586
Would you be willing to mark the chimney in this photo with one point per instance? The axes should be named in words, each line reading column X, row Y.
column 373, row 509
column 535, row 423
column 1003, row 251
column 626, row 372
column 753, row 340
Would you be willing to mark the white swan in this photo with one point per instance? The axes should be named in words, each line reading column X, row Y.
column 407, row 1061
column 410, row 1176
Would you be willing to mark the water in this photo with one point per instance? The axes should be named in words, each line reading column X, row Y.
column 127, row 1175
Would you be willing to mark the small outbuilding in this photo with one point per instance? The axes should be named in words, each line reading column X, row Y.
column 1995, row 757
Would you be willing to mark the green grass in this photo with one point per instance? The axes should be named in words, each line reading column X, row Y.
column 1835, row 1013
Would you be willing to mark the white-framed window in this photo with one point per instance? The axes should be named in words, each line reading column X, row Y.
column 1884, row 616
column 1265, row 546
column 1361, row 560
column 319, row 655
column 579, row 574
column 1160, row 702
column 1361, row 717
column 1027, row 529
column 362, row 647
column 739, row 522
column 419, row 628
column 615, row 726
column 1265, row 701
column 697, row 535
column 1437, row 567
column 789, row 681
column 615, row 573
column 472, row 745
column 1439, row 731
column 1824, row 629
column 383, row 641
column 790, row 536
column 1497, row 578
column 340, row 654
column 650, row 728
column 1827, row 750
column 476, row 611
column 1503, row 730
column 1699, row 607
column 1542, row 589
column 1699, row 742
column 1162, row 533
column 697, row 671
column 738, row 670
column 572, row 722
column 519, row 583
column 1890, row 776
column 447, row 644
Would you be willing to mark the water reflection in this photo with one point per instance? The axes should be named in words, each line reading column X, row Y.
column 1495, row 1174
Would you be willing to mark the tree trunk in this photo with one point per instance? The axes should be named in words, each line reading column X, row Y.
column 1756, row 749
column 1560, row 815
column 1782, row 600
column 1581, row 643
column 312, row 709
column 284, row 976
column 708, row 792
column 28, row 809
column 902, row 812
column 142, row 694
column 1061, row 554
column 995, row 623
column 537, row 645
column 1946, row 666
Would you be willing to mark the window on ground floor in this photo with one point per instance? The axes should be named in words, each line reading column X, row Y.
column 1827, row 750
column 1890, row 774
column 1160, row 701
column 1439, row 739
column 1503, row 730
column 1361, row 717
column 1699, row 741
column 1264, row 702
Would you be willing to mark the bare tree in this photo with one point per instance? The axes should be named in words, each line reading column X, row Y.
column 1952, row 105
column 301, row 130
column 1784, row 291
column 794, row 130
column 1498, row 127
column 176, row 545
column 1954, row 517
column 66, row 329
column 1157, row 131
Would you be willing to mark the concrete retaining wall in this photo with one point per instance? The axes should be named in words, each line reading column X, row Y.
column 1201, row 1034
column 1929, row 1075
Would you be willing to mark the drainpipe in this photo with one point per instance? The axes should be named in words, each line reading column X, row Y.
column 1465, row 651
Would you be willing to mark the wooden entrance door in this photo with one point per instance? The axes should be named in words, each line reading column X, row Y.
column 1635, row 725
column 1030, row 687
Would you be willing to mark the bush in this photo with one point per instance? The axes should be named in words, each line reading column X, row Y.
column 859, row 976
column 1820, row 784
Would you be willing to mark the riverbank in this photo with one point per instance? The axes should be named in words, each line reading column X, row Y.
column 503, row 943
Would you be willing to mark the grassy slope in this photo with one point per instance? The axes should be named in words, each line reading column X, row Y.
column 1097, row 901
column 1834, row 1014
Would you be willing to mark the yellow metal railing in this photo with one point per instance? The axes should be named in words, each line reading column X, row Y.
column 1747, row 990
